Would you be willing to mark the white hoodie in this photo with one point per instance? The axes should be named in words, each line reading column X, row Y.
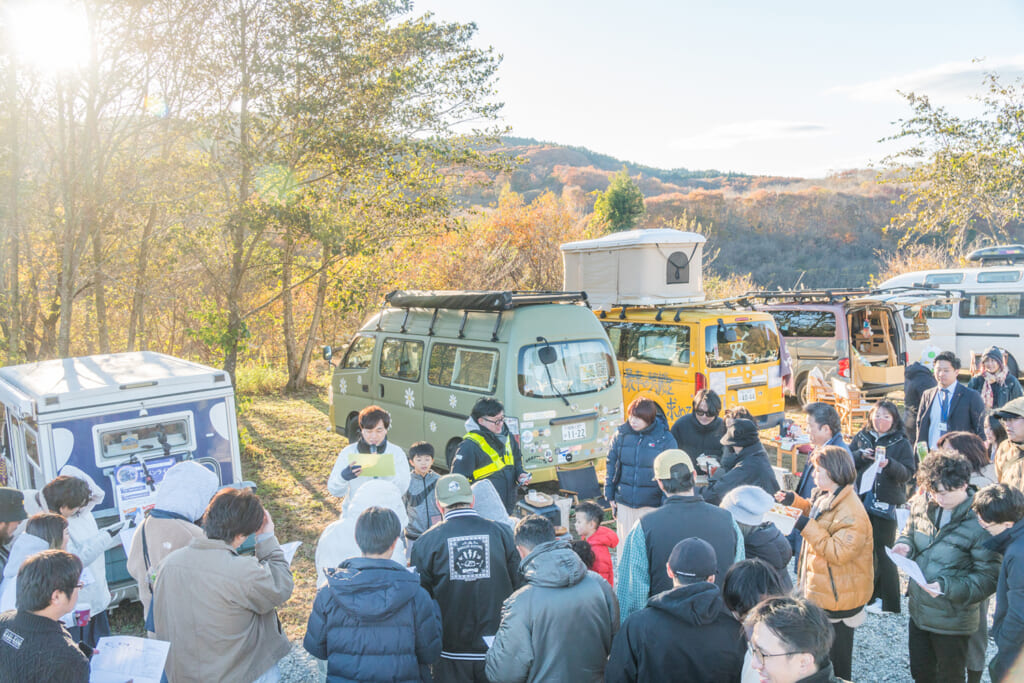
column 338, row 541
column 24, row 546
column 87, row 541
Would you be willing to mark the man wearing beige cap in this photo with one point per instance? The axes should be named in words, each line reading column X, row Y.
column 641, row 569
column 1009, row 458
column 469, row 565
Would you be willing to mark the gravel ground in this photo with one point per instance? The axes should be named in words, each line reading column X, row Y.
column 879, row 652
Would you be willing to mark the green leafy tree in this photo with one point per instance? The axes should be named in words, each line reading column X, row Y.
column 621, row 206
column 965, row 174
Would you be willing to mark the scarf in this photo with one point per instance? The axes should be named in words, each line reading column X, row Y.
column 986, row 388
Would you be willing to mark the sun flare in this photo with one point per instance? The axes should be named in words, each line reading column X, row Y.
column 49, row 35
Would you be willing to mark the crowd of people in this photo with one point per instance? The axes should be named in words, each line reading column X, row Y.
column 427, row 577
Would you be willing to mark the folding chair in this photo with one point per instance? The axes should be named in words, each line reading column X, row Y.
column 581, row 483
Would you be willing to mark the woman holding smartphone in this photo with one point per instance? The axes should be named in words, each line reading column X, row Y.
column 884, row 441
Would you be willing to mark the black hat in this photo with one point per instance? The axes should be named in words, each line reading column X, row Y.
column 12, row 505
column 693, row 558
column 742, row 433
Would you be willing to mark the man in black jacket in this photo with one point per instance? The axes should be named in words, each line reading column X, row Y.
column 489, row 451
column 699, row 432
column 469, row 565
column 949, row 406
column 751, row 466
column 917, row 379
column 34, row 646
column 684, row 634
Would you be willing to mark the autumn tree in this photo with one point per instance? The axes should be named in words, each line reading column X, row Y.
column 965, row 175
column 621, row 206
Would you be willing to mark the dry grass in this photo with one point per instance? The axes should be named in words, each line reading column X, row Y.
column 289, row 455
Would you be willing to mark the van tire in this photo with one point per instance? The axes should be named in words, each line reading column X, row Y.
column 802, row 390
column 449, row 452
column 352, row 428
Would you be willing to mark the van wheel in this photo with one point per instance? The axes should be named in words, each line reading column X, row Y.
column 803, row 390
column 449, row 452
column 352, row 428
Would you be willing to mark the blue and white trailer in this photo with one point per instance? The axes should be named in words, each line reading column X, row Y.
column 121, row 418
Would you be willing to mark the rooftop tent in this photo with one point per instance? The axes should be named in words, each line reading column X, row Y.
column 637, row 268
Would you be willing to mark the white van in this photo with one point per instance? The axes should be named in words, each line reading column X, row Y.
column 990, row 311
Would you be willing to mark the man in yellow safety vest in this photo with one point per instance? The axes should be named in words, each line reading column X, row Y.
column 489, row 451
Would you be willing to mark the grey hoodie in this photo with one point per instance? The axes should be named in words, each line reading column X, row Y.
column 560, row 597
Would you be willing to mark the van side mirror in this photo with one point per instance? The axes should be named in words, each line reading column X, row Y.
column 328, row 353
column 547, row 355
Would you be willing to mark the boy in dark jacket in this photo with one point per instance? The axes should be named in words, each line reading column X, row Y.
column 684, row 634
column 373, row 621
column 1000, row 510
column 419, row 499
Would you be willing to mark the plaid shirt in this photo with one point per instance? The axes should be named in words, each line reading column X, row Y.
column 633, row 578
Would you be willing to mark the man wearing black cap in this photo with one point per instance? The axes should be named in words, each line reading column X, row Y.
column 751, row 467
column 12, row 513
column 684, row 634
column 683, row 515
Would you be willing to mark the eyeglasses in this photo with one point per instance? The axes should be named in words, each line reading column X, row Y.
column 704, row 413
column 494, row 420
column 760, row 655
column 80, row 585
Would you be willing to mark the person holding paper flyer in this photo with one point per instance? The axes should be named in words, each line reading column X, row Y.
column 882, row 448
column 836, row 569
column 371, row 457
column 944, row 538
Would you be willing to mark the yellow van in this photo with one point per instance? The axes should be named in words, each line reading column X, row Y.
column 670, row 353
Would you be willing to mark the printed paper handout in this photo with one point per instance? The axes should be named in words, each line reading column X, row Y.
column 867, row 480
column 127, row 658
column 289, row 550
column 909, row 567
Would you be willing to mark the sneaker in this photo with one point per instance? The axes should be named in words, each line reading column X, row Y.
column 874, row 607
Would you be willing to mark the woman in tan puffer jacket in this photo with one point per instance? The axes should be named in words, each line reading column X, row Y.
column 836, row 567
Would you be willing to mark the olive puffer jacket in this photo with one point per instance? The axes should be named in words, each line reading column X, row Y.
column 1010, row 464
column 836, row 570
column 955, row 557
column 630, row 477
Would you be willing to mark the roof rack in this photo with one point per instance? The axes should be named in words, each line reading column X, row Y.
column 1007, row 253
column 826, row 295
column 479, row 300
column 734, row 304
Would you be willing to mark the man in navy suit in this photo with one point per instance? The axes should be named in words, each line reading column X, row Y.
column 949, row 406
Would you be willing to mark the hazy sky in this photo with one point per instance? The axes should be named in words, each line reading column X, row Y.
column 785, row 88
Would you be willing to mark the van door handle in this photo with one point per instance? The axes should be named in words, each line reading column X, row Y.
column 381, row 390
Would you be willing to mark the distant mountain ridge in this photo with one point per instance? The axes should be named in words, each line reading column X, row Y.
column 821, row 232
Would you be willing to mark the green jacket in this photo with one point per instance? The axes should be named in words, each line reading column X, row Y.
column 953, row 555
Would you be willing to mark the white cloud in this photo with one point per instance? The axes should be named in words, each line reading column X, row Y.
column 733, row 135
column 953, row 79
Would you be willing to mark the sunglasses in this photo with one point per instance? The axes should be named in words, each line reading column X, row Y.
column 704, row 413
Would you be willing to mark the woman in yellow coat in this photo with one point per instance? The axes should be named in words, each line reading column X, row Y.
column 836, row 566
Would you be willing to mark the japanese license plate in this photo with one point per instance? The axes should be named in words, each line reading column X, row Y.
column 574, row 432
column 746, row 395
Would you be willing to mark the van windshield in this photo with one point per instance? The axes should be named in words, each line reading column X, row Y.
column 756, row 342
column 579, row 367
